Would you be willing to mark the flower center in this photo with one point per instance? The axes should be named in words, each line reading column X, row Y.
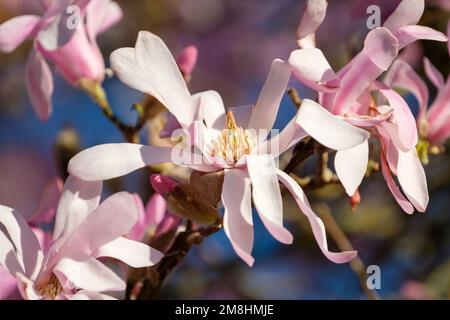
column 50, row 288
column 233, row 142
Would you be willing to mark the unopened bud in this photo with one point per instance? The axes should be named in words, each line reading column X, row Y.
column 162, row 184
column 187, row 59
column 354, row 200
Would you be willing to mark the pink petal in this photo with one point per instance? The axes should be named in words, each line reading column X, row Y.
column 170, row 222
column 433, row 74
column 351, row 166
column 237, row 218
column 368, row 121
column 404, row 120
column 15, row 31
column 49, row 201
column 408, row 12
column 411, row 177
column 380, row 49
column 402, row 75
column 313, row 70
column 312, row 18
column 339, row 135
column 401, row 200
column 187, row 59
column 113, row 160
column 113, row 218
column 101, row 15
column 8, row 286
column 211, row 109
column 440, row 131
column 39, row 82
column 15, row 231
column 317, row 225
column 89, row 274
column 267, row 195
column 408, row 34
column 78, row 199
column 266, row 108
column 133, row 253
column 163, row 76
column 155, row 209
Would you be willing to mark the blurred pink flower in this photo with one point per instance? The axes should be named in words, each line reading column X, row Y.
column 414, row 290
column 433, row 123
column 84, row 231
column 248, row 163
column 66, row 36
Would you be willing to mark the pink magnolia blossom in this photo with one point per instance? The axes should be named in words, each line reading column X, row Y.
column 248, row 160
column 392, row 124
column 84, row 231
column 67, row 43
column 38, row 222
column 434, row 121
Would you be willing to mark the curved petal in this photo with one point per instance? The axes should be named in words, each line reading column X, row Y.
column 39, row 82
column 26, row 246
column 266, row 108
column 212, row 109
column 8, row 257
column 401, row 200
column 237, row 218
column 402, row 75
column 78, row 199
column 313, row 70
column 101, row 15
column 351, row 165
column 113, row 218
column 433, row 74
column 149, row 217
column 408, row 34
column 15, row 31
column 89, row 274
column 317, row 225
column 113, row 160
column 411, row 177
column 440, row 132
column 133, row 253
column 408, row 12
column 339, row 135
column 368, row 121
column 380, row 49
column 49, row 201
column 405, row 123
column 310, row 21
column 267, row 195
column 8, row 285
column 163, row 77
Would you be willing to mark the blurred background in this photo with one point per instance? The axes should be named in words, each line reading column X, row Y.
column 237, row 40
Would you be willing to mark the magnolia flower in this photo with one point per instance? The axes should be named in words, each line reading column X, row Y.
column 235, row 142
column 41, row 218
column 393, row 125
column 65, row 35
column 84, row 231
column 433, row 123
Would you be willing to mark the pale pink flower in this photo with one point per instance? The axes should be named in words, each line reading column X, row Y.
column 393, row 124
column 58, row 37
column 84, row 231
column 249, row 164
column 433, row 122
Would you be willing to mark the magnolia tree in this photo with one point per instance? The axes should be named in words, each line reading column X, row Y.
column 77, row 246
